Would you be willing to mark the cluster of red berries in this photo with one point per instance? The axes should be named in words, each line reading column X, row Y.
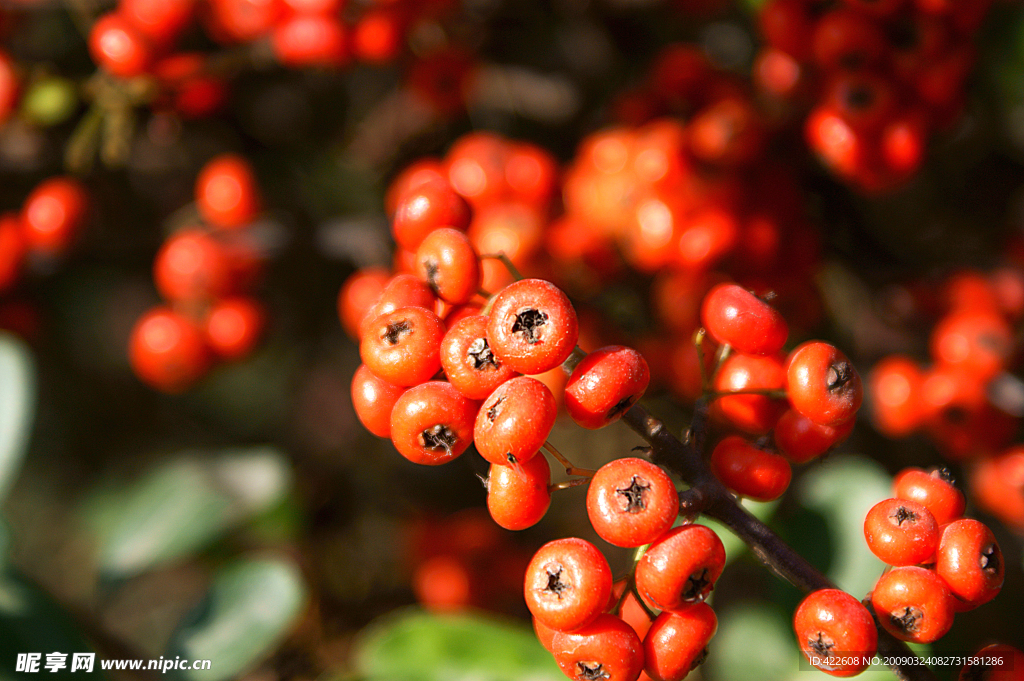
column 139, row 37
column 880, row 76
column 205, row 273
column 49, row 221
column 808, row 399
column 941, row 564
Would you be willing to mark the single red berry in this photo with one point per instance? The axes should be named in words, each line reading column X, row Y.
column 932, row 489
column 448, row 263
column 12, row 250
column 233, row 326
column 681, row 567
column 310, row 40
column 192, row 266
column 835, row 632
column 373, row 399
column 631, row 502
column 913, row 604
column 533, row 326
column 736, row 317
column 160, row 21
column 403, row 290
column 358, row 294
column 864, row 100
column 227, row 193
column 417, row 174
column 749, row 470
column 168, row 351
column 568, row 583
column 427, row 207
column 822, row 384
column 514, row 421
column 10, row 86
column 895, row 395
column 119, row 47
column 531, row 173
column 432, row 423
column 53, row 214
column 752, row 414
column 606, row 649
column 605, row 384
column 242, row 20
column 677, row 642
column 467, row 359
column 402, row 347
column 971, row 563
column 518, row 496
column 977, row 342
column 377, row 35
column 995, row 662
column 901, row 532
column 845, row 39
column 801, row 440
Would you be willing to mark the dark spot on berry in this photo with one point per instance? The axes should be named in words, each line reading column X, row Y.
column 821, row 646
column 909, row 621
column 620, row 408
column 492, row 411
column 439, row 437
column 901, row 515
column 555, row 584
column 527, row 322
column 696, row 586
column 512, row 460
column 699, row 660
column 944, row 474
column 903, row 35
column 990, row 559
column 396, row 331
column 955, row 415
column 839, row 375
column 480, row 352
column 860, row 97
column 432, row 268
column 591, row 671
column 634, row 494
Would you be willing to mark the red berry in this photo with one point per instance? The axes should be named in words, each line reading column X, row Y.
column 518, row 496
column 373, row 399
column 736, row 317
column 568, row 583
column 901, row 532
column 192, row 266
column 631, row 502
column 12, row 250
column 377, row 36
column 970, row 562
column 677, row 642
column 895, row 393
column 606, row 649
column 53, row 214
column 119, row 47
column 310, row 40
column 447, row 262
column 749, row 470
column 161, row 21
column 227, row 194
column 934, row 490
column 432, row 423
column 403, row 290
column 402, row 347
column 233, row 326
column 974, row 341
column 605, row 384
column 913, row 604
column 533, row 326
column 995, row 662
column 835, row 632
column 822, row 384
column 801, row 440
column 681, row 567
column 358, row 294
column 514, row 421
column 168, row 351
column 427, row 207
column 752, row 414
column 467, row 359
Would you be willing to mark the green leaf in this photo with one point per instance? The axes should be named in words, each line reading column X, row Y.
column 842, row 490
column 754, row 641
column 17, row 405
column 182, row 506
column 31, row 622
column 413, row 645
column 250, row 607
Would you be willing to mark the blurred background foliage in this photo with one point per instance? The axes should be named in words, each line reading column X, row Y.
column 252, row 521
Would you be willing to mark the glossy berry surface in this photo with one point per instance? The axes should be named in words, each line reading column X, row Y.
column 606, row 648
column 901, row 532
column 749, row 470
column 913, row 604
column 631, row 502
column 514, row 421
column 822, row 384
column 735, row 316
column 970, row 561
column 403, row 347
column 425, row 208
column 432, row 423
column 681, row 567
column 835, row 632
column 932, row 489
column 373, row 399
column 800, row 439
column 448, row 264
column 533, row 326
column 468, row 361
column 568, row 583
column 751, row 414
column 677, row 642
column 605, row 384
column 518, row 496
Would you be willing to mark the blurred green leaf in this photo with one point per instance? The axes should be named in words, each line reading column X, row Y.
column 734, row 654
column 31, row 622
column 842, row 489
column 182, row 506
column 250, row 607
column 17, row 405
column 416, row 646
column 734, row 546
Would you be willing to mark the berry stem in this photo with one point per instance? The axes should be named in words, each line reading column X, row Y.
column 566, row 484
column 504, row 259
column 570, row 467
